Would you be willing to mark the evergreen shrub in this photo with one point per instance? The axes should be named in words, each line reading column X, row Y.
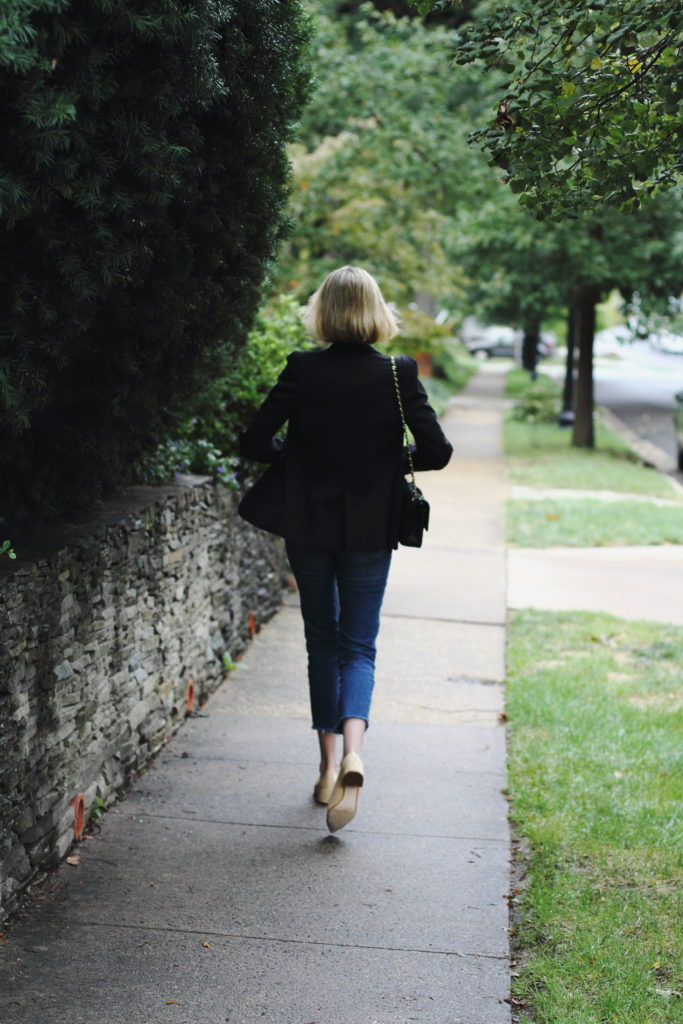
column 141, row 187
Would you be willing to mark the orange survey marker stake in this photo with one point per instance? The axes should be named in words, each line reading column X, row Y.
column 78, row 804
column 190, row 694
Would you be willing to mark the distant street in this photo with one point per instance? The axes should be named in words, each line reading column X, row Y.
column 639, row 387
column 638, row 384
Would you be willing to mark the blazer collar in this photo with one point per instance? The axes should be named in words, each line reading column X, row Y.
column 351, row 346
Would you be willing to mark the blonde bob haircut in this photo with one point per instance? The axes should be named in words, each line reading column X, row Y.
column 349, row 307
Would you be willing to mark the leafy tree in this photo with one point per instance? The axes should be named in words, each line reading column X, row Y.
column 590, row 109
column 538, row 267
column 143, row 176
column 383, row 166
column 517, row 267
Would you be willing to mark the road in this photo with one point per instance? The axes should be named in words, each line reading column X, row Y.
column 639, row 386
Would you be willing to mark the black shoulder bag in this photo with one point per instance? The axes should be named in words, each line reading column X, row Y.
column 414, row 506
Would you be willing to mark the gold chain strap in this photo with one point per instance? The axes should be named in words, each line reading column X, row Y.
column 403, row 419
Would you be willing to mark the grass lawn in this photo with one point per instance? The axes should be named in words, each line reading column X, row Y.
column 589, row 523
column 595, row 709
column 541, row 455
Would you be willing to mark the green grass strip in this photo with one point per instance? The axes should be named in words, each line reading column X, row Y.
column 595, row 706
column 582, row 522
column 541, row 455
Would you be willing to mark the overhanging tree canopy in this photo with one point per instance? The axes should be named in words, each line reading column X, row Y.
column 592, row 108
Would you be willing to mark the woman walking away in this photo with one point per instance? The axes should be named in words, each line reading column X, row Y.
column 333, row 491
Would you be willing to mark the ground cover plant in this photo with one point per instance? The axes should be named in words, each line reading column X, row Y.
column 595, row 706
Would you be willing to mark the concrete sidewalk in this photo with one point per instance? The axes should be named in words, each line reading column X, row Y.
column 629, row 582
column 213, row 893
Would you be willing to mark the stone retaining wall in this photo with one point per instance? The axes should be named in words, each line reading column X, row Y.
column 110, row 631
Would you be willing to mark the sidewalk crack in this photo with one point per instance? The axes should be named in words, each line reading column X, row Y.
column 141, row 815
column 123, row 926
column 441, row 618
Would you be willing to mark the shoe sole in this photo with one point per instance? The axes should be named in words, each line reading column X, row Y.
column 343, row 812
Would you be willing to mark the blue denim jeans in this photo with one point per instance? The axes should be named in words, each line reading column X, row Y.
column 341, row 595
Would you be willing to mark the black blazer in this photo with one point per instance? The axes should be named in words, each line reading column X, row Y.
column 335, row 482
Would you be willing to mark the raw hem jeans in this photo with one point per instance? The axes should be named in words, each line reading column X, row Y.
column 341, row 595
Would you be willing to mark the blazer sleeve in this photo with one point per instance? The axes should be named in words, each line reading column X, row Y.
column 258, row 441
column 431, row 450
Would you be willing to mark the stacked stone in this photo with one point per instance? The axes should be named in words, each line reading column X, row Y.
column 109, row 631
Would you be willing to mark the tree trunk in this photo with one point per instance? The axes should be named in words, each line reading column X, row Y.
column 584, row 436
column 530, row 347
column 566, row 417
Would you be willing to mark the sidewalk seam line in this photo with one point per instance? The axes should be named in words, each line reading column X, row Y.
column 308, row 828
column 436, row 618
column 271, row 938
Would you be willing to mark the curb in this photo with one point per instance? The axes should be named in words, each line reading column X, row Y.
column 650, row 453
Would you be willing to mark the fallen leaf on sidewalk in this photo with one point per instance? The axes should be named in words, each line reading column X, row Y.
column 73, row 860
column 207, row 945
column 172, row 1002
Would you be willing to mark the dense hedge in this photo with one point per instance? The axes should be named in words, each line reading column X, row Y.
column 141, row 188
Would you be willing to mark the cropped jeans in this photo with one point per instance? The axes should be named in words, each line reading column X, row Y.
column 341, row 595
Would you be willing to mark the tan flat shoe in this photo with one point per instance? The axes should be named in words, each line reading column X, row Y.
column 324, row 786
column 343, row 802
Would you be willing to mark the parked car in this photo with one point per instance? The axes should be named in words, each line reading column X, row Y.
column 678, row 425
column 506, row 342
